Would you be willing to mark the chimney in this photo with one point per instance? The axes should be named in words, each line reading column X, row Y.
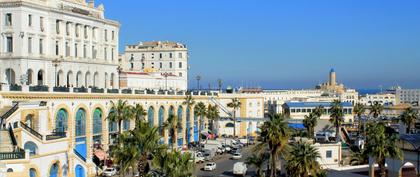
column 91, row 3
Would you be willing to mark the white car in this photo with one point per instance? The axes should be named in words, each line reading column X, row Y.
column 109, row 172
column 236, row 156
column 228, row 149
column 239, row 168
column 210, row 166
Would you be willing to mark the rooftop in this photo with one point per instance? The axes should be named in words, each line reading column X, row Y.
column 315, row 104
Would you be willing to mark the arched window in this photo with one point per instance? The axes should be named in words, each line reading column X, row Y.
column 54, row 170
column 61, row 121
column 79, row 81
column 171, row 111
column 80, row 171
column 180, row 110
column 29, row 73
column 151, row 115
column 126, row 124
column 60, row 78
column 40, row 77
column 29, row 120
column 10, row 76
column 32, row 172
column 32, row 147
column 106, row 80
column 9, row 170
column 70, row 79
column 97, row 121
column 88, row 81
column 80, row 122
column 160, row 117
column 188, row 124
column 95, row 79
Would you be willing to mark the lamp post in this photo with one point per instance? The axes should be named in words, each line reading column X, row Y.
column 56, row 62
column 198, row 82
column 166, row 79
column 119, row 70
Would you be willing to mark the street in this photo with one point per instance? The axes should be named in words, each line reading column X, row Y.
column 224, row 165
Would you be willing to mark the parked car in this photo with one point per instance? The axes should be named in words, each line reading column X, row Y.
column 109, row 172
column 210, row 166
column 239, row 168
column 237, row 156
column 228, row 148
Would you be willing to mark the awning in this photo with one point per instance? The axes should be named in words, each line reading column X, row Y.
column 297, row 126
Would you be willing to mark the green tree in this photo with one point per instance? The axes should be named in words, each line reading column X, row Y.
column 318, row 111
column 174, row 164
column 376, row 109
column 139, row 113
column 257, row 161
column 302, row 160
column 213, row 115
column 359, row 110
column 409, row 118
column 189, row 103
column 310, row 122
column 200, row 111
column 336, row 117
column 381, row 143
column 235, row 105
column 172, row 125
column 274, row 137
column 119, row 112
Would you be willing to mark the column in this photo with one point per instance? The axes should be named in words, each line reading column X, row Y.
column 184, row 122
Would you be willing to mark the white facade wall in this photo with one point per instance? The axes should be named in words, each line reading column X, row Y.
column 410, row 96
column 274, row 99
column 330, row 154
column 383, row 99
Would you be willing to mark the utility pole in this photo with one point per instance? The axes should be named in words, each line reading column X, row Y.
column 198, row 77
column 56, row 62
column 166, row 79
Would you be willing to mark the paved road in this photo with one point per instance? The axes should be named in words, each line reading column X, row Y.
column 224, row 165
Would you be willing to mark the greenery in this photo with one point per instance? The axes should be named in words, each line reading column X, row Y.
column 235, row 105
column 119, row 112
column 409, row 118
column 376, row 110
column 213, row 115
column 310, row 122
column 174, row 164
column 257, row 161
column 381, row 143
column 200, row 111
column 302, row 160
column 359, row 110
column 274, row 138
column 336, row 117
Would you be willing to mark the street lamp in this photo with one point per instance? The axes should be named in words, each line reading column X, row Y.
column 198, row 82
column 166, row 79
column 56, row 62
column 119, row 70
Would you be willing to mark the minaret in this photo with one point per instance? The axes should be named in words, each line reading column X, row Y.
column 332, row 77
column 91, row 3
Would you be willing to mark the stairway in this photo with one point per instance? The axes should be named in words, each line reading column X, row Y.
column 5, row 142
column 223, row 108
column 5, row 109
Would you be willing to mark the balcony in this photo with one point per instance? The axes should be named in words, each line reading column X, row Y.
column 38, row 88
column 127, row 91
column 15, row 87
column 61, row 89
column 17, row 154
column 80, row 90
column 112, row 91
column 97, row 90
column 56, row 135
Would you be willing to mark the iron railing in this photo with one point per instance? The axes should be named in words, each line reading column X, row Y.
column 61, row 89
column 97, row 90
column 15, row 88
column 56, row 135
column 79, row 155
column 80, row 90
column 112, row 91
column 30, row 130
column 17, row 154
column 126, row 91
column 9, row 113
column 38, row 88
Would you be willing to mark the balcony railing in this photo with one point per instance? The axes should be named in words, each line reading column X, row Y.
column 97, row 90
column 15, row 88
column 79, row 155
column 30, row 130
column 126, row 91
column 139, row 91
column 17, row 154
column 112, row 91
column 38, row 88
column 80, row 90
column 56, row 135
column 61, row 89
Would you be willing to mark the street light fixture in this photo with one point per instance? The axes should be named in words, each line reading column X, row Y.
column 198, row 82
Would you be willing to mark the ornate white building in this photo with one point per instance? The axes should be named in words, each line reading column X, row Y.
column 155, row 65
column 57, row 43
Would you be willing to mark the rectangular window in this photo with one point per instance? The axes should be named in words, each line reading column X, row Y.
column 170, row 55
column 9, row 48
column 93, row 52
column 41, row 23
column 8, row 19
column 180, row 64
column 112, row 54
column 142, row 65
column 68, row 29
column 29, row 20
column 180, row 74
column 328, row 154
column 57, row 26
column 113, row 35
column 170, row 64
column 29, row 44
column 76, row 30
column 94, row 33
column 160, row 65
column 105, row 53
column 75, row 50
column 106, row 35
column 67, row 49
column 160, row 55
column 41, row 46
column 84, row 51
column 85, row 32
column 57, row 48
column 179, row 55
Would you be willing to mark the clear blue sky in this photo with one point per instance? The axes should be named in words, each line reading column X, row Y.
column 283, row 44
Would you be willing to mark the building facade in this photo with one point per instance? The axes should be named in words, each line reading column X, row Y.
column 409, row 96
column 157, row 65
column 386, row 99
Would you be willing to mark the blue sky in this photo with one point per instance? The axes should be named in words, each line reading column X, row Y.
column 283, row 44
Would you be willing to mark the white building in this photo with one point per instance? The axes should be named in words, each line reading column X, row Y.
column 386, row 99
column 156, row 65
column 58, row 42
column 410, row 96
column 274, row 99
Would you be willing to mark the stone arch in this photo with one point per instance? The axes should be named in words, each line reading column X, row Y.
column 41, row 77
column 69, row 79
column 60, row 81
column 171, row 110
column 188, row 129
column 180, row 114
column 81, row 125
column 88, row 80
column 161, row 118
column 30, row 74
column 33, row 172
column 32, row 147
column 151, row 115
column 408, row 169
column 80, row 171
column 79, row 79
column 10, row 76
column 61, row 120
column 55, row 170
column 96, row 79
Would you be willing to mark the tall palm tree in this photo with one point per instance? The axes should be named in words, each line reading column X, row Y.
column 123, row 156
column 302, row 160
column 257, row 161
column 376, row 109
column 213, row 115
column 274, row 137
column 310, row 122
column 174, row 164
column 381, row 143
column 318, row 111
column 336, row 117
column 200, row 111
column 139, row 113
column 409, row 118
column 172, row 125
column 235, row 105
column 120, row 111
column 359, row 110
column 189, row 103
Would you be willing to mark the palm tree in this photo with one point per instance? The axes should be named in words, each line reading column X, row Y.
column 274, row 136
column 172, row 125
column 302, row 160
column 174, row 164
column 188, row 102
column 409, row 118
column 336, row 117
column 257, row 161
column 381, row 143
column 200, row 111
column 359, row 110
column 310, row 122
column 213, row 115
column 139, row 113
column 235, row 104
column 318, row 111
column 376, row 109
column 124, row 154
column 119, row 112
